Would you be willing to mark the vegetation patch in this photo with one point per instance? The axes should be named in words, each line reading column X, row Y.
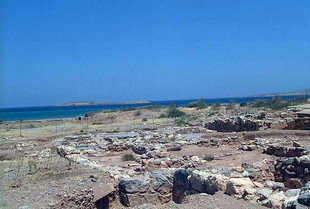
column 128, row 157
column 208, row 157
column 174, row 112
column 277, row 103
column 200, row 104
column 180, row 123
column 137, row 113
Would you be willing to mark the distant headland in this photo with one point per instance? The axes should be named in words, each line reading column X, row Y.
column 303, row 92
column 87, row 103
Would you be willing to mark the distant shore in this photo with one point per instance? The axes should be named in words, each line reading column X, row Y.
column 73, row 111
column 92, row 103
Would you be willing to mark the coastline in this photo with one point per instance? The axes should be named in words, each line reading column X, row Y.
column 70, row 112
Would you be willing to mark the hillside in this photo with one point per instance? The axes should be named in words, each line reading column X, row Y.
column 289, row 93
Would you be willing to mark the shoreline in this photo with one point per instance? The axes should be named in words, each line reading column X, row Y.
column 59, row 112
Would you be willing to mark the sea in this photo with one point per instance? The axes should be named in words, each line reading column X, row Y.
column 60, row 112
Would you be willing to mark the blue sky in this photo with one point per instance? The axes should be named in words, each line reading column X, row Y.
column 60, row 50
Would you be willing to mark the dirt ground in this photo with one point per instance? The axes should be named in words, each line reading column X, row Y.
column 216, row 201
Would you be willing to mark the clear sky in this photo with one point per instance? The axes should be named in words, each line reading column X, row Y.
column 71, row 50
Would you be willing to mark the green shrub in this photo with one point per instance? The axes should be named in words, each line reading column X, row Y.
column 259, row 103
column 243, row 104
column 128, row 109
column 144, row 119
column 153, row 107
column 137, row 113
column 174, row 112
column 162, row 115
column 208, row 157
column 128, row 157
column 180, row 123
column 115, row 130
column 297, row 101
column 200, row 104
column 276, row 103
column 231, row 105
column 216, row 106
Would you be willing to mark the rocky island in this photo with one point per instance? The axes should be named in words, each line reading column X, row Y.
column 88, row 103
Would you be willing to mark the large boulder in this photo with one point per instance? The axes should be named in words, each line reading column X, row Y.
column 275, row 200
column 263, row 194
column 304, row 197
column 134, row 185
column 204, row 182
column 154, row 188
column 138, row 149
column 162, row 185
column 133, row 190
column 240, row 187
column 181, row 185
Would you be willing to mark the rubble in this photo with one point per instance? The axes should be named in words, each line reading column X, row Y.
column 284, row 151
column 293, row 171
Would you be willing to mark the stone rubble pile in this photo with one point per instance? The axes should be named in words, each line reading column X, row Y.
column 285, row 151
column 293, row 171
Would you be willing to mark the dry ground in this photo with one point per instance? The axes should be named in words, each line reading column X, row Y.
column 42, row 189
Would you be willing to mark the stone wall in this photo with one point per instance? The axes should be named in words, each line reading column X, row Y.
column 232, row 125
column 293, row 171
column 154, row 188
column 284, row 151
column 300, row 124
column 162, row 186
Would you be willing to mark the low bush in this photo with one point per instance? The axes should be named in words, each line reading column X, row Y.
column 115, row 130
column 174, row 112
column 128, row 157
column 208, row 157
column 216, row 106
column 128, row 109
column 231, row 105
column 200, row 104
column 137, row 113
column 180, row 123
column 162, row 115
column 243, row 104
column 276, row 103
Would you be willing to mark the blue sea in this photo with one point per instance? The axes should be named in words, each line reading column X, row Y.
column 54, row 112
